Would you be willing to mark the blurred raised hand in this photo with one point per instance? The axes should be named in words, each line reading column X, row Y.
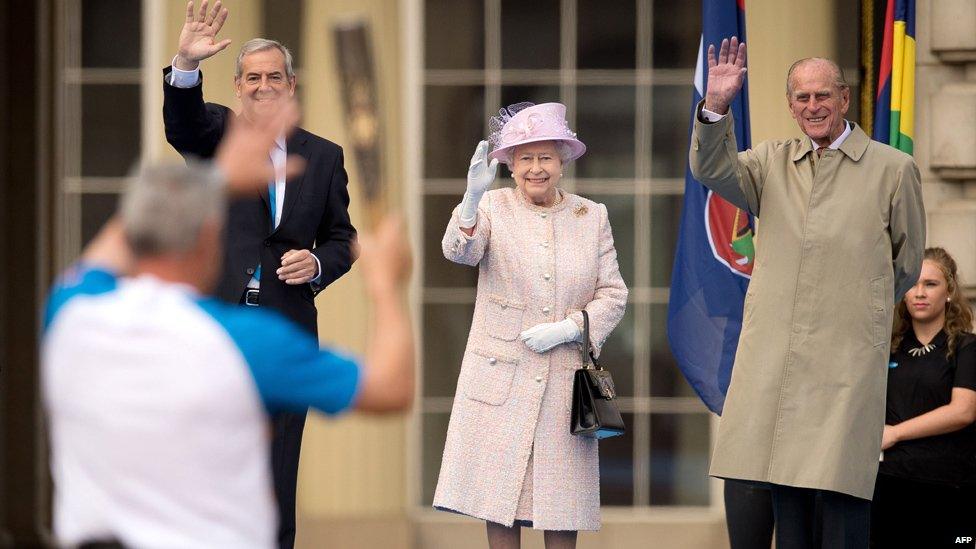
column 385, row 257
column 388, row 378
column 243, row 155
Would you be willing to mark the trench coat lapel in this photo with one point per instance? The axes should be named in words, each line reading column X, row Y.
column 856, row 143
column 804, row 148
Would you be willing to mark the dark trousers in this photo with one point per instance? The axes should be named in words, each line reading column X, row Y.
column 101, row 544
column 748, row 514
column 286, row 448
column 908, row 513
column 807, row 518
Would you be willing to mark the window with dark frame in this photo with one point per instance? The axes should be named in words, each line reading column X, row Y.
column 101, row 114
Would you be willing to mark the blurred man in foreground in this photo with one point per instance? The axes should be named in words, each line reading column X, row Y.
column 158, row 396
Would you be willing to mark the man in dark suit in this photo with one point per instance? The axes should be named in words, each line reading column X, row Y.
column 286, row 243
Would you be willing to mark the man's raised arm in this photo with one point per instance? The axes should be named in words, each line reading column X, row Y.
column 198, row 38
column 714, row 158
column 193, row 127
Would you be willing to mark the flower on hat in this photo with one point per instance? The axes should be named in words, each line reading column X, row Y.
column 522, row 130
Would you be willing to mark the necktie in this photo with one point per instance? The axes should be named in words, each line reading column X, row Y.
column 272, row 199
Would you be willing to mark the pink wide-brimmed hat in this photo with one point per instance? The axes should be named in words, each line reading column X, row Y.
column 528, row 123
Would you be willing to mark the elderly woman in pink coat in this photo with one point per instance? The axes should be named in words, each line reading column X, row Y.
column 543, row 256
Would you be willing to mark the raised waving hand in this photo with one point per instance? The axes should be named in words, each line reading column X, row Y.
column 726, row 74
column 481, row 173
column 198, row 38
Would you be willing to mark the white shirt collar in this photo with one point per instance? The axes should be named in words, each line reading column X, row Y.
column 837, row 142
column 280, row 142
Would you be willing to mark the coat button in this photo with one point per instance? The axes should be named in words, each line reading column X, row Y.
column 267, row 243
column 545, row 310
column 492, row 360
column 249, row 270
column 538, row 379
column 547, row 276
column 543, row 215
column 544, row 244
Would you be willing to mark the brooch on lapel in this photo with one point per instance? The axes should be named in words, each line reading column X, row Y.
column 580, row 210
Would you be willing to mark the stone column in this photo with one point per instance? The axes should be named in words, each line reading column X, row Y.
column 946, row 126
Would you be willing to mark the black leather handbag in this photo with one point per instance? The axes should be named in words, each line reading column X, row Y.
column 594, row 413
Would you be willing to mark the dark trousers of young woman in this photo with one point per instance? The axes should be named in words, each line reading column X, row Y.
column 748, row 514
column 813, row 519
column 909, row 513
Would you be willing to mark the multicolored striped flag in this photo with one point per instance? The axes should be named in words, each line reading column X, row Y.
column 894, row 108
column 714, row 256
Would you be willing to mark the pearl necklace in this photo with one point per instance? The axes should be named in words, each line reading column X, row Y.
column 559, row 199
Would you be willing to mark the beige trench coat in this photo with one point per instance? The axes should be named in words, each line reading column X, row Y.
column 535, row 265
column 840, row 237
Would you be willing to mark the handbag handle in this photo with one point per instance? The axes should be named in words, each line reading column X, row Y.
column 586, row 348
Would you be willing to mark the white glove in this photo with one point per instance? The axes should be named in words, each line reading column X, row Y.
column 542, row 337
column 481, row 174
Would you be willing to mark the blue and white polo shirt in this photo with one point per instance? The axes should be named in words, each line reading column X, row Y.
column 158, row 402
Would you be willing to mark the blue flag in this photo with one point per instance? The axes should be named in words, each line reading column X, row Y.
column 714, row 257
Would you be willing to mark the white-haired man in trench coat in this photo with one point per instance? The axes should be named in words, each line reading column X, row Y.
column 841, row 234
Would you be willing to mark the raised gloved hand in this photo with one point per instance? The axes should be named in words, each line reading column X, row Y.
column 481, row 173
column 542, row 337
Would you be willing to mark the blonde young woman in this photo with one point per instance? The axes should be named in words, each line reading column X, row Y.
column 543, row 255
column 925, row 495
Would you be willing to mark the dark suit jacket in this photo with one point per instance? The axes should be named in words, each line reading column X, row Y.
column 314, row 215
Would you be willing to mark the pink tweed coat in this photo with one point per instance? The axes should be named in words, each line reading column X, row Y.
column 535, row 265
